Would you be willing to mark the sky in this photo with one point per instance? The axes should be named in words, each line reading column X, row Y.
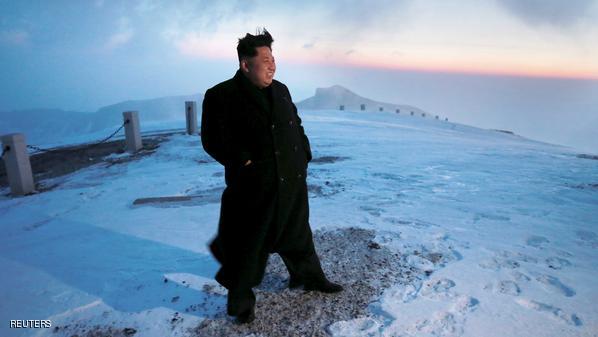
column 82, row 55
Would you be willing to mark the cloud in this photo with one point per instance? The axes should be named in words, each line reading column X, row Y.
column 144, row 6
column 365, row 12
column 204, row 29
column 197, row 45
column 14, row 37
column 121, row 37
column 557, row 13
column 118, row 39
column 347, row 19
column 193, row 26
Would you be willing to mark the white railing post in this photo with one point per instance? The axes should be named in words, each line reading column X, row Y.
column 191, row 117
column 17, row 164
column 132, row 132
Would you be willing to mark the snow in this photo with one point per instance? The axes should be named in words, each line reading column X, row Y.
column 506, row 227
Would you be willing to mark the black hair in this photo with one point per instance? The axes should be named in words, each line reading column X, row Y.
column 248, row 44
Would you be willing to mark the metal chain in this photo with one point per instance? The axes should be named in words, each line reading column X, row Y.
column 107, row 138
column 87, row 147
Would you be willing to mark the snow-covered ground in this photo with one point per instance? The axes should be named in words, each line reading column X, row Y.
column 516, row 218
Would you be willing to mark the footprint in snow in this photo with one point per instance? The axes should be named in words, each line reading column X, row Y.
column 465, row 304
column 446, row 323
column 520, row 276
column 374, row 211
column 498, row 263
column 507, row 260
column 553, row 284
column 554, row 262
column 587, row 238
column 536, row 241
column 438, row 288
column 558, row 313
column 362, row 326
column 504, row 287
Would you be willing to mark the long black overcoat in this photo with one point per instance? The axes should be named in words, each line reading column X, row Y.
column 264, row 207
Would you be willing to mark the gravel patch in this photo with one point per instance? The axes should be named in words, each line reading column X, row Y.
column 349, row 256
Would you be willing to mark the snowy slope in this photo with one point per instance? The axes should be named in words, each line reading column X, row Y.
column 514, row 219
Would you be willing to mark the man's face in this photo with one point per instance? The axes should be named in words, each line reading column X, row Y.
column 260, row 69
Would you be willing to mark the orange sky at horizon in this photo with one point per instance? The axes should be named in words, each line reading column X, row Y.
column 464, row 60
column 517, row 70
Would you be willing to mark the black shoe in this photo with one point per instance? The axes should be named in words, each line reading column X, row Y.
column 246, row 317
column 241, row 304
column 324, row 287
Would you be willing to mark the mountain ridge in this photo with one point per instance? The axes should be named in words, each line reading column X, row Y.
column 65, row 123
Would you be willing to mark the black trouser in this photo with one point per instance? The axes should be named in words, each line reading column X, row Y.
column 304, row 267
column 244, row 255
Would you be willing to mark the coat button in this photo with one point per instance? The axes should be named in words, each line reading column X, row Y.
column 273, row 126
column 299, row 175
column 277, row 152
column 281, row 179
column 291, row 122
column 295, row 148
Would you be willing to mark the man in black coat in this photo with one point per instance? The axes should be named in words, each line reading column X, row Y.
column 251, row 127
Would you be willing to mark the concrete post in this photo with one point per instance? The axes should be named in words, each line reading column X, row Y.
column 191, row 117
column 423, row 114
column 363, row 107
column 342, row 107
column 398, row 110
column 132, row 133
column 381, row 109
column 18, row 166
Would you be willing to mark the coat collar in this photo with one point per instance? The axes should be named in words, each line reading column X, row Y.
column 253, row 93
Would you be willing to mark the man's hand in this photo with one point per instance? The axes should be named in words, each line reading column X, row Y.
column 247, row 163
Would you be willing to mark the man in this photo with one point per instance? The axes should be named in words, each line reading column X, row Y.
column 251, row 127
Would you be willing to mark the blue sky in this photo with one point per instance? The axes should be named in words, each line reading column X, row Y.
column 81, row 55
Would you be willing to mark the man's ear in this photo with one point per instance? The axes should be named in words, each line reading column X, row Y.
column 244, row 65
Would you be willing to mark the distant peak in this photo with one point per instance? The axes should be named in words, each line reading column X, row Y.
column 339, row 97
column 335, row 89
